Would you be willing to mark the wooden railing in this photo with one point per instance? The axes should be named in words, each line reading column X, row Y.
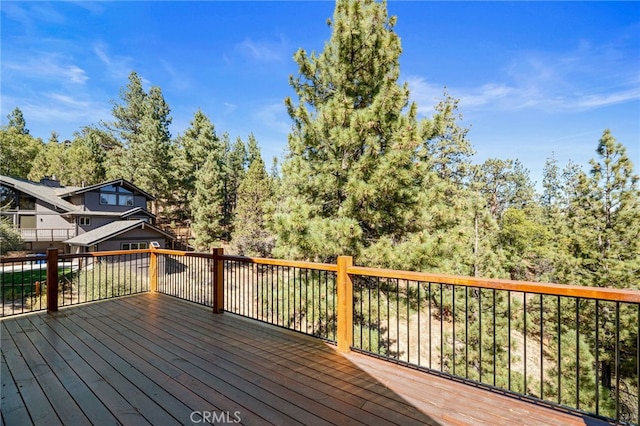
column 574, row 347
column 34, row 283
column 570, row 346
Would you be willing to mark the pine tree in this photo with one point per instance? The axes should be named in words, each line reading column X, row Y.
column 526, row 241
column 153, row 172
column 17, row 122
column 251, row 235
column 352, row 171
column 234, row 169
column 450, row 151
column 129, row 114
column 504, row 184
column 18, row 148
column 615, row 199
column 127, row 127
column 191, row 152
column 142, row 124
column 603, row 220
column 51, row 161
column 457, row 229
column 551, row 184
column 101, row 145
column 208, row 203
column 87, row 166
column 253, row 150
column 600, row 242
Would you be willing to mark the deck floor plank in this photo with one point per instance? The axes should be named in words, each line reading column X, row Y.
column 230, row 356
column 104, row 381
column 236, row 387
column 190, row 372
column 54, row 352
column 149, row 398
column 47, row 373
column 24, row 376
column 335, row 394
column 158, row 378
column 397, row 408
column 14, row 411
column 88, row 389
column 255, row 377
column 155, row 359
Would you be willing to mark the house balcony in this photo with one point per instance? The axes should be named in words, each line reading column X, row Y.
column 192, row 338
column 45, row 234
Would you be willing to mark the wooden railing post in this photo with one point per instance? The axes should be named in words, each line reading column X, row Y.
column 153, row 271
column 52, row 280
column 218, row 280
column 345, row 304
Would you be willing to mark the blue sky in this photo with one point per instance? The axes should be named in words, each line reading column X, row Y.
column 533, row 78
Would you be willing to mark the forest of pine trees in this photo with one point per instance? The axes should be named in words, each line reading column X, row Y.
column 363, row 176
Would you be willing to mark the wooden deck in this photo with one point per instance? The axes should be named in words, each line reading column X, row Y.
column 153, row 359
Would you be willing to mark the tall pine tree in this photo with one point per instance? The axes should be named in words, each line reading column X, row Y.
column 251, row 234
column 207, row 203
column 191, row 152
column 352, row 172
column 18, row 149
column 142, row 124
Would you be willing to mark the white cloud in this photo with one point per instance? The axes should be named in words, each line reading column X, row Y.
column 99, row 50
column 487, row 94
column 31, row 14
column 117, row 67
column 75, row 74
column 177, row 79
column 229, row 108
column 67, row 100
column 49, row 66
column 274, row 116
column 585, row 78
column 600, row 100
column 424, row 93
column 58, row 111
column 263, row 51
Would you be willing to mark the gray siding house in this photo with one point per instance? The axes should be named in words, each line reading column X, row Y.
column 108, row 216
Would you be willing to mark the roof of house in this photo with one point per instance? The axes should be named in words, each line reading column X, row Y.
column 111, row 230
column 121, row 215
column 137, row 210
column 121, row 182
column 56, row 195
column 45, row 193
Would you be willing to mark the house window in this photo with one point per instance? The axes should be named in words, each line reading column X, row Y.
column 26, row 202
column 125, row 200
column 134, row 246
column 108, row 199
column 112, row 195
column 85, row 221
column 27, row 222
column 7, row 198
column 11, row 199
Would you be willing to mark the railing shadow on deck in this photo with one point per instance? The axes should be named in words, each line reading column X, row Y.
column 576, row 348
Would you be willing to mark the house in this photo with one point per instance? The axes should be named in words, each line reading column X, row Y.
column 108, row 216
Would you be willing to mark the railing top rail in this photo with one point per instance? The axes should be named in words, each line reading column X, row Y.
column 5, row 259
column 181, row 253
column 281, row 262
column 102, row 253
column 611, row 294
